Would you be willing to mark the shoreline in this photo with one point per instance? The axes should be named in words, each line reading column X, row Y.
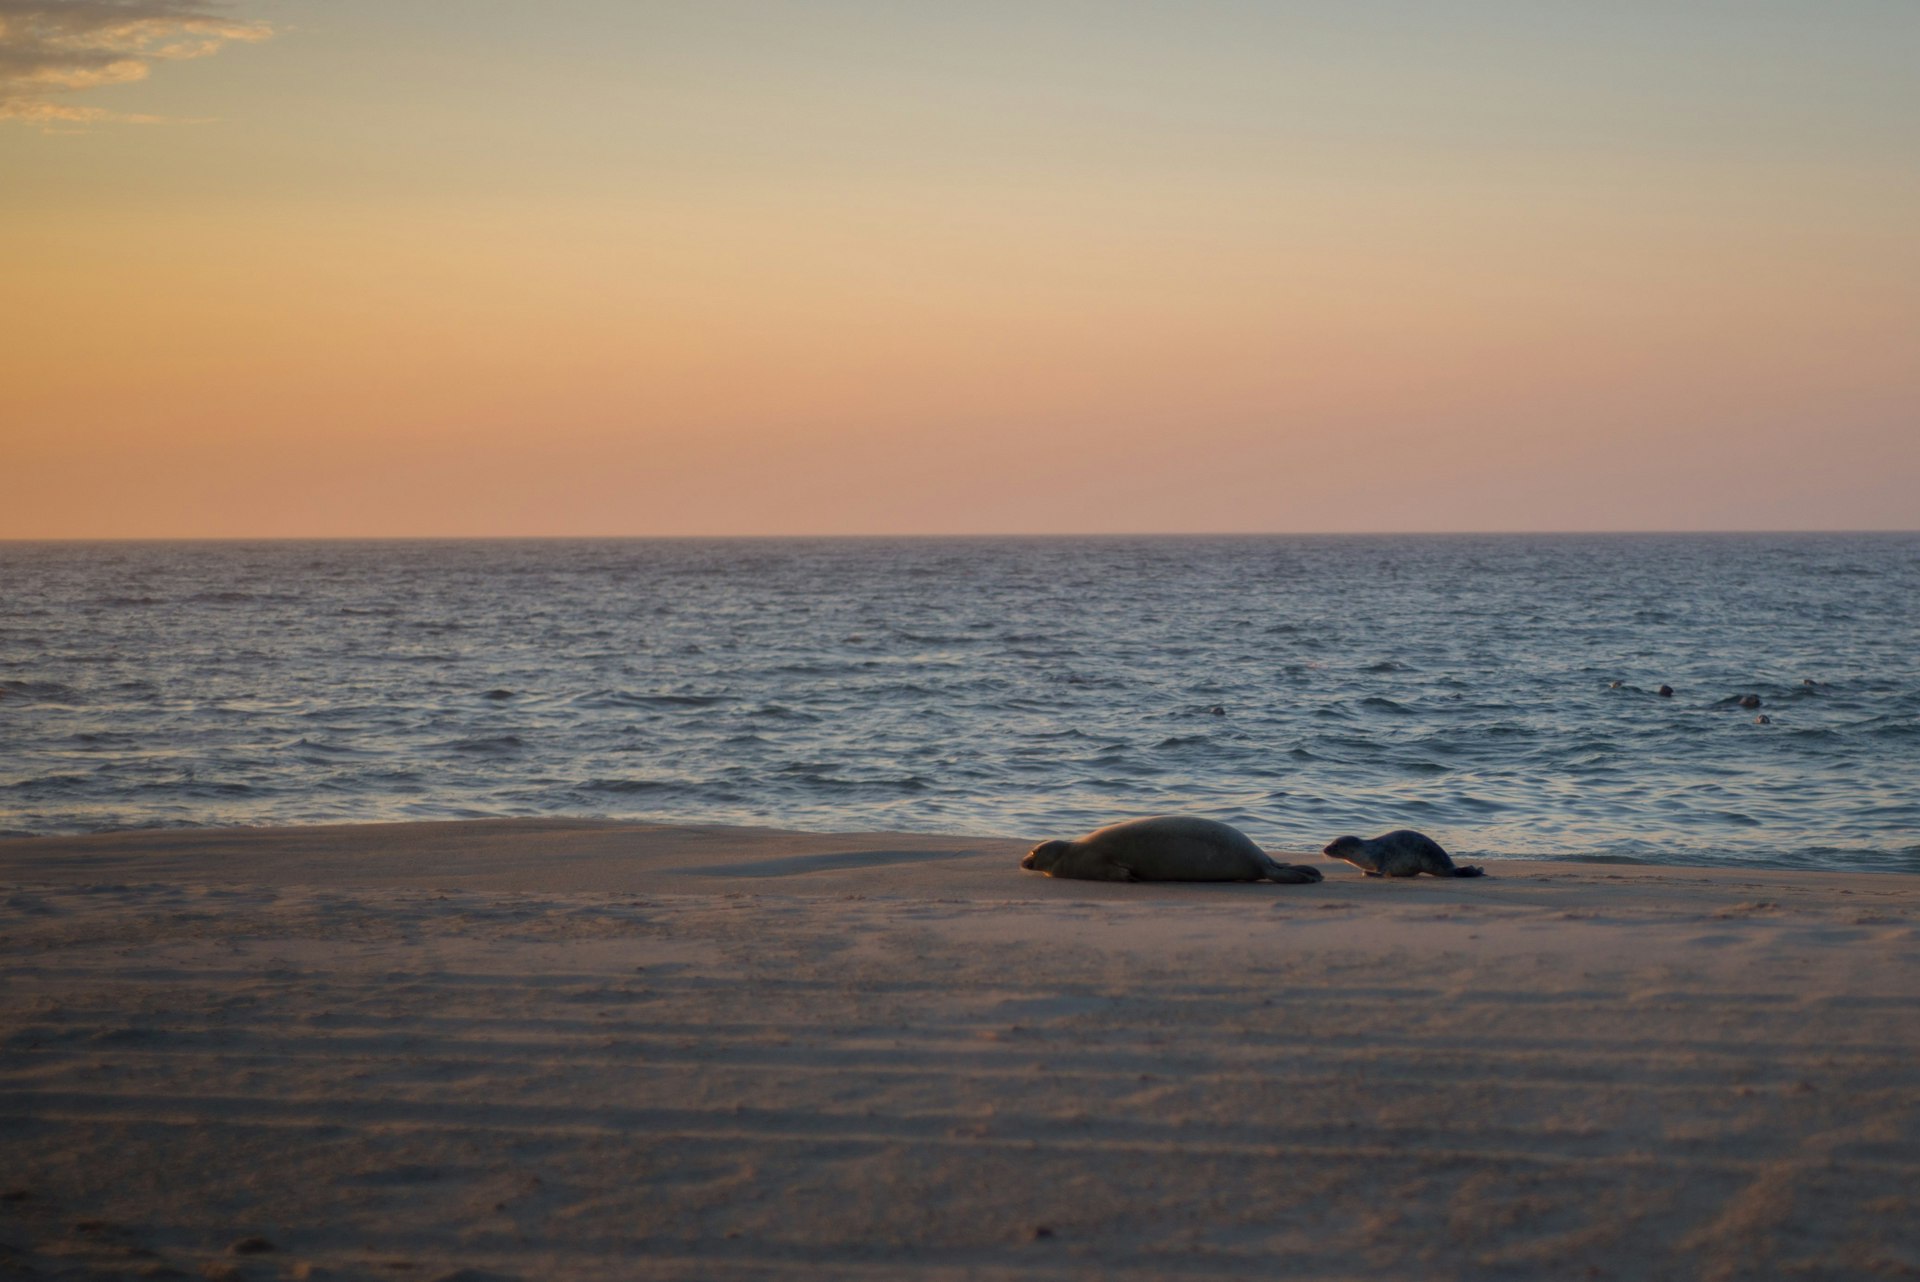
column 584, row 1049
column 557, row 852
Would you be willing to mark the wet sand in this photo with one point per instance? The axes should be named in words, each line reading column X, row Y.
column 544, row 1049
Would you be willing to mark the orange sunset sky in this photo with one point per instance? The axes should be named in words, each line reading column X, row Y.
column 338, row 267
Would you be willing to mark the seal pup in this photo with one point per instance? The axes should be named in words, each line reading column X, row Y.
column 1163, row 848
column 1401, row 853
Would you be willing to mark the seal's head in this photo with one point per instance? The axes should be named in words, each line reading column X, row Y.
column 1044, row 856
column 1347, row 848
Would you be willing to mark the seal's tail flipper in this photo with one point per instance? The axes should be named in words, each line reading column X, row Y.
column 1292, row 874
column 1467, row 870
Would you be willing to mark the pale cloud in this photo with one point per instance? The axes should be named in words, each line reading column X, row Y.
column 52, row 49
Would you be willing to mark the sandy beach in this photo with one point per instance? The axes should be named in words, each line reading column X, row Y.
column 546, row 1049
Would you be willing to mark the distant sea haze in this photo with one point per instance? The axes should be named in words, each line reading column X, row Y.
column 1497, row 692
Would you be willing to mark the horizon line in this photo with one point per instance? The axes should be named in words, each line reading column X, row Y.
column 1006, row 535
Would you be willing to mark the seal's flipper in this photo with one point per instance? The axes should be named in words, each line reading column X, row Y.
column 1291, row 874
column 1467, row 871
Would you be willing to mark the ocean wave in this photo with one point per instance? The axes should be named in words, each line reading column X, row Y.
column 831, row 777
column 819, row 668
column 634, row 699
column 234, row 596
column 1378, row 703
column 192, row 788
column 42, row 692
column 486, row 745
column 328, row 748
column 943, row 638
column 780, row 712
column 51, row 783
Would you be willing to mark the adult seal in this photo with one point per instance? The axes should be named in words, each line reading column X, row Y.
column 1402, row 853
column 1164, row 848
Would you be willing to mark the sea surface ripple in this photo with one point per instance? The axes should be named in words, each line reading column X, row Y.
column 1299, row 687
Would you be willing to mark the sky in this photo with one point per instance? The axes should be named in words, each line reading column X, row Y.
column 301, row 268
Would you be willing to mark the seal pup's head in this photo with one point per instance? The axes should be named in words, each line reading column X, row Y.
column 1347, row 848
column 1044, row 856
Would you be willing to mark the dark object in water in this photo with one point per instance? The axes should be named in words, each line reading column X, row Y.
column 1665, row 692
column 1749, row 700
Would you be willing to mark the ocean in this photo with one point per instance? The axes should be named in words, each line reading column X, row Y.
column 1499, row 693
